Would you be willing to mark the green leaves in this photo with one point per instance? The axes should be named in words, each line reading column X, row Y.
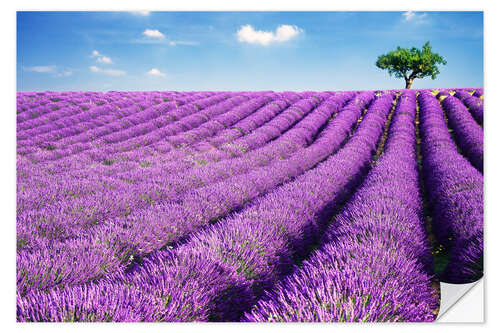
column 411, row 63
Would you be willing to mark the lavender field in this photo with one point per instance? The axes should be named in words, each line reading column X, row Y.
column 246, row 206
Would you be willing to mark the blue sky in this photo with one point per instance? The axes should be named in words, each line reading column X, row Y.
column 238, row 50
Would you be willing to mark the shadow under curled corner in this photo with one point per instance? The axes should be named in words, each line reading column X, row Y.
column 457, row 306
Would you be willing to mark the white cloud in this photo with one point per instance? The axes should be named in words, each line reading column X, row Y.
column 286, row 32
column 249, row 35
column 141, row 12
column 104, row 60
column 41, row 69
column 64, row 73
column 153, row 33
column 111, row 72
column 411, row 16
column 283, row 33
column 164, row 41
column 101, row 58
column 182, row 42
column 52, row 69
column 155, row 72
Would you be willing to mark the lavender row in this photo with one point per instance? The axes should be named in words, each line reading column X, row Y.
column 59, row 168
column 240, row 111
column 134, row 234
column 162, row 146
column 225, row 128
column 72, row 179
column 125, row 121
column 52, row 112
column 374, row 260
column 247, row 125
column 216, row 269
column 80, row 127
column 99, row 150
column 118, row 202
column 230, row 163
column 129, row 157
column 479, row 92
column 455, row 190
column 246, row 145
column 442, row 94
column 89, row 141
column 60, row 118
column 243, row 127
column 53, row 134
column 467, row 133
column 207, row 173
column 280, row 123
column 35, row 192
column 85, row 118
column 26, row 197
column 473, row 103
column 256, row 247
column 36, row 108
column 223, row 100
column 62, row 113
column 246, row 151
column 215, row 125
column 167, row 223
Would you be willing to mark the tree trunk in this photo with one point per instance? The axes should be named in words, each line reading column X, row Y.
column 409, row 82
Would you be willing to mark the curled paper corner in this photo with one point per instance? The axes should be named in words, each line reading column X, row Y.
column 460, row 304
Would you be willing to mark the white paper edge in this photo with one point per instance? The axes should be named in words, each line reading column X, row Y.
column 461, row 302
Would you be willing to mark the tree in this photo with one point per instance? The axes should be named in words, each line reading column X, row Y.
column 411, row 64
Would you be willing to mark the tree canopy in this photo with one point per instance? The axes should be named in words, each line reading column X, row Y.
column 411, row 63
